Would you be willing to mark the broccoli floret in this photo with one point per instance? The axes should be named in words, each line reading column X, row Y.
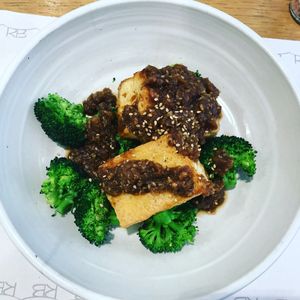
column 238, row 149
column 63, row 185
column 63, row 121
column 125, row 144
column 170, row 230
column 197, row 74
column 67, row 188
column 94, row 216
column 113, row 219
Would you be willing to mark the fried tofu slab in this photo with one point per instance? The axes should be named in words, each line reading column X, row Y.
column 170, row 94
column 135, row 208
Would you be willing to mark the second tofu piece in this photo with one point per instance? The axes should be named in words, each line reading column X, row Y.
column 167, row 180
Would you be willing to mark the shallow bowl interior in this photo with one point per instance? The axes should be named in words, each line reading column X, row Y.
column 82, row 53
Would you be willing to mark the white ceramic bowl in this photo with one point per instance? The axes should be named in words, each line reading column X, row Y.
column 80, row 53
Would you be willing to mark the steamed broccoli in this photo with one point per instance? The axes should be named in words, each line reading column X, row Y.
column 63, row 121
column 125, row 144
column 93, row 214
column 170, row 230
column 238, row 149
column 198, row 74
column 113, row 219
column 63, row 185
column 67, row 188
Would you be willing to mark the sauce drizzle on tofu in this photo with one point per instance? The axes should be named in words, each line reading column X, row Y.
column 172, row 100
column 144, row 176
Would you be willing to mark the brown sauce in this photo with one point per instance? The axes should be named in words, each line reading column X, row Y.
column 216, row 208
column 211, row 202
column 100, row 144
column 181, row 104
column 144, row 176
column 222, row 162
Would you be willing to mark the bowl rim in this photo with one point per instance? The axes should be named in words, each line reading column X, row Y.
column 58, row 278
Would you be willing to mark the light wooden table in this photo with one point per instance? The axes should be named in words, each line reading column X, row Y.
column 269, row 18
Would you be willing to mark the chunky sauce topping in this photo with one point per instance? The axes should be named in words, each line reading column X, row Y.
column 181, row 104
column 100, row 144
column 210, row 203
column 144, row 176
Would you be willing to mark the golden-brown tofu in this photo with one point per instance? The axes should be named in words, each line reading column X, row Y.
column 132, row 91
column 134, row 208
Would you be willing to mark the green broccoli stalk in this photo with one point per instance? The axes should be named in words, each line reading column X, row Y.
column 63, row 121
column 63, row 185
column 170, row 230
column 125, row 144
column 94, row 216
column 238, row 149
